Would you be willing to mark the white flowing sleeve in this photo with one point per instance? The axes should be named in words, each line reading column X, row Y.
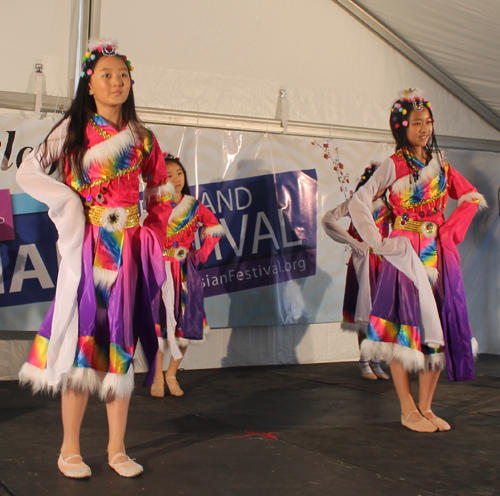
column 66, row 211
column 337, row 232
column 398, row 250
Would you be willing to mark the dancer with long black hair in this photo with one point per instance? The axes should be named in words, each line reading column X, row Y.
column 419, row 321
column 111, row 268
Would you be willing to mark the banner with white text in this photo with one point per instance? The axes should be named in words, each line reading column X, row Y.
column 275, row 265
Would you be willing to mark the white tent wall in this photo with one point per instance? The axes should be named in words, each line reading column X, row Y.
column 231, row 58
column 34, row 31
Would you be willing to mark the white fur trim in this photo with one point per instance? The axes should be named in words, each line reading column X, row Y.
column 475, row 348
column 435, row 361
column 470, row 197
column 107, row 149
column 425, row 175
column 182, row 208
column 184, row 343
column 412, row 360
column 36, row 378
column 121, row 219
column 94, row 43
column 433, row 273
column 117, row 385
column 216, row 231
column 82, row 379
column 167, row 189
column 104, row 277
column 162, row 345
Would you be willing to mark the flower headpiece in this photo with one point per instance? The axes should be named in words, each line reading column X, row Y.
column 96, row 49
column 168, row 157
column 401, row 107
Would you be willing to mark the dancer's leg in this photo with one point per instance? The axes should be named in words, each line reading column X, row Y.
column 73, row 405
column 117, row 409
column 428, row 382
column 170, row 374
column 410, row 416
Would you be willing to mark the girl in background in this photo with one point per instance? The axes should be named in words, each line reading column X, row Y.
column 110, row 268
column 182, row 317
column 362, row 271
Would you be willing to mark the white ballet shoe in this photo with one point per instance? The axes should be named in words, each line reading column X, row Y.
column 78, row 470
column 128, row 468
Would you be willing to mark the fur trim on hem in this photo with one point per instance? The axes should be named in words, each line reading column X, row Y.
column 36, row 378
column 216, row 231
column 117, row 385
column 79, row 379
column 184, row 342
column 436, row 361
column 412, row 360
column 475, row 348
column 162, row 345
column 158, row 191
column 82, row 379
column 473, row 197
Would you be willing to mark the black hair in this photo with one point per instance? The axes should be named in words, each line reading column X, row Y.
column 368, row 172
column 170, row 158
column 399, row 121
column 82, row 107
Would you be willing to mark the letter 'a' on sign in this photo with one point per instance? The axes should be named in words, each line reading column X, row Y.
column 39, row 270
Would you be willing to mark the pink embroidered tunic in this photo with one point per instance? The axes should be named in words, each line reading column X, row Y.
column 184, row 318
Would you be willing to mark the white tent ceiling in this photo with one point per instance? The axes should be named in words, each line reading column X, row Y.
column 459, row 38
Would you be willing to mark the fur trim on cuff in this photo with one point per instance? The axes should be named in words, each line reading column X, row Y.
column 167, row 189
column 214, row 231
column 473, row 197
column 117, row 385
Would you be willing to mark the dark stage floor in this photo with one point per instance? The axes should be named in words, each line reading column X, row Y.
column 288, row 430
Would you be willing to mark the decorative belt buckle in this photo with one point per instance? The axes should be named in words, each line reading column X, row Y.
column 181, row 253
column 114, row 219
column 429, row 229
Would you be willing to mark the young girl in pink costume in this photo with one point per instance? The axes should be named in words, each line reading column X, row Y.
column 362, row 271
column 182, row 316
column 111, row 268
column 419, row 320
